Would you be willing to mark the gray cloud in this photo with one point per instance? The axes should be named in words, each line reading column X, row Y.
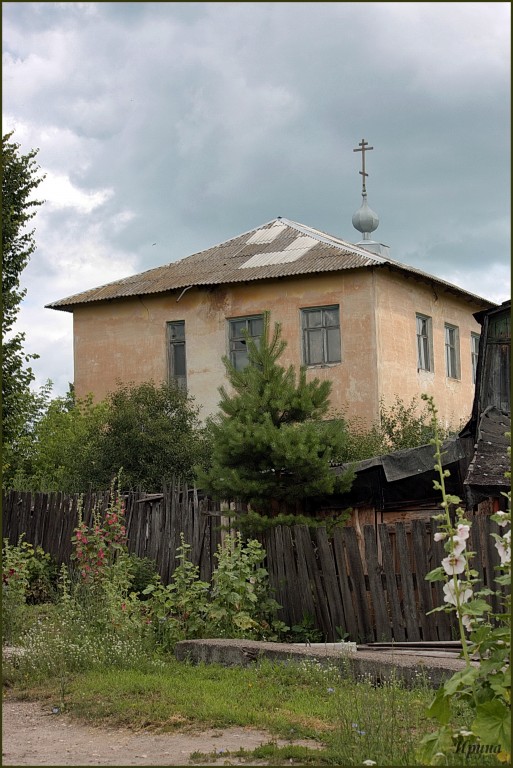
column 194, row 122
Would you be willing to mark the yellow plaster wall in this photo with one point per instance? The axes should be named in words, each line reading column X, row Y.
column 398, row 300
column 125, row 340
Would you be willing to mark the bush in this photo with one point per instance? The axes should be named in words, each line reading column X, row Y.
column 143, row 571
column 15, row 582
column 236, row 604
column 400, row 426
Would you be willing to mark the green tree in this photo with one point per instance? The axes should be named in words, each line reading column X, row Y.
column 74, row 445
column 19, row 180
column 270, row 441
column 58, row 447
column 153, row 432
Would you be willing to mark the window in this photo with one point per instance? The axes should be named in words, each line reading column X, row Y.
column 452, row 351
column 474, row 351
column 177, row 370
column 239, row 328
column 321, row 335
column 424, row 343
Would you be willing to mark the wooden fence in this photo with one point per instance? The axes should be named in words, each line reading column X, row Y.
column 368, row 585
column 153, row 521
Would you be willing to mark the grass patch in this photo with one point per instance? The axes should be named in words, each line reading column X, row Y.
column 114, row 680
column 352, row 720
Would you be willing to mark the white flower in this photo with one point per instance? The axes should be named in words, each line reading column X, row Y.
column 502, row 515
column 369, row 762
column 463, row 531
column 439, row 536
column 459, row 545
column 504, row 548
column 450, row 592
column 466, row 620
column 453, row 564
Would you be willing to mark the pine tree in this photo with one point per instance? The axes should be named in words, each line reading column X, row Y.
column 270, row 441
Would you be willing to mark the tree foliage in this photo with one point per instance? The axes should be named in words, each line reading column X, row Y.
column 151, row 431
column 19, row 179
column 58, row 448
column 269, row 442
column 400, row 426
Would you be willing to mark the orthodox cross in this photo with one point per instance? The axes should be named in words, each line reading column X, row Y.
column 363, row 147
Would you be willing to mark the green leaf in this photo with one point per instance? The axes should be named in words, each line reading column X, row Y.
column 476, row 607
column 493, row 724
column 460, row 680
column 440, row 707
column 433, row 744
column 438, row 574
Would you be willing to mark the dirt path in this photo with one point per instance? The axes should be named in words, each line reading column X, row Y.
column 32, row 735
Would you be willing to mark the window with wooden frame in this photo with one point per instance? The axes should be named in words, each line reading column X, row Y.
column 239, row 330
column 424, row 343
column 452, row 351
column 176, row 360
column 321, row 335
column 474, row 354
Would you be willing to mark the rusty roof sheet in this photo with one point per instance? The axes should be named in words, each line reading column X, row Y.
column 279, row 248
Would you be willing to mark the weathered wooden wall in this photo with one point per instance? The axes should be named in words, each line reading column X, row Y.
column 367, row 582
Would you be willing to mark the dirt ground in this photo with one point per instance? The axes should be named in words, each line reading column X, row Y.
column 32, row 735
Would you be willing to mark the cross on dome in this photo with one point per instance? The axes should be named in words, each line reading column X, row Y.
column 363, row 147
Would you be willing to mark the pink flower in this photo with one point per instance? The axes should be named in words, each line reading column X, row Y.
column 439, row 536
column 453, row 564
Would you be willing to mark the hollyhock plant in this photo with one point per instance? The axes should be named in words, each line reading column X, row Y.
column 484, row 685
column 96, row 546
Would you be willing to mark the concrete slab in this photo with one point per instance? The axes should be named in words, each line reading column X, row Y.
column 379, row 666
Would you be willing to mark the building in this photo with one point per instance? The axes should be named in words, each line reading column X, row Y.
column 378, row 329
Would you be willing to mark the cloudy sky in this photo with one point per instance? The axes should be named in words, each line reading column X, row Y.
column 165, row 128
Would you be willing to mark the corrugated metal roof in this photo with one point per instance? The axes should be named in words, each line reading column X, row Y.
column 279, row 248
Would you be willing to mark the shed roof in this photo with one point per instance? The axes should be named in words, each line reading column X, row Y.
column 279, row 248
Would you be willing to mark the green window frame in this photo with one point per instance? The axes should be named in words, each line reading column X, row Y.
column 321, row 335
column 239, row 329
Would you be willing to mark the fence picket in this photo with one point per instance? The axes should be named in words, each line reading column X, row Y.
column 366, row 633
column 381, row 620
column 420, row 532
column 409, row 606
column 391, row 585
column 350, row 622
column 331, row 586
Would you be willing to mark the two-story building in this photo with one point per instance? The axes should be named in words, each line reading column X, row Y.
column 376, row 328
